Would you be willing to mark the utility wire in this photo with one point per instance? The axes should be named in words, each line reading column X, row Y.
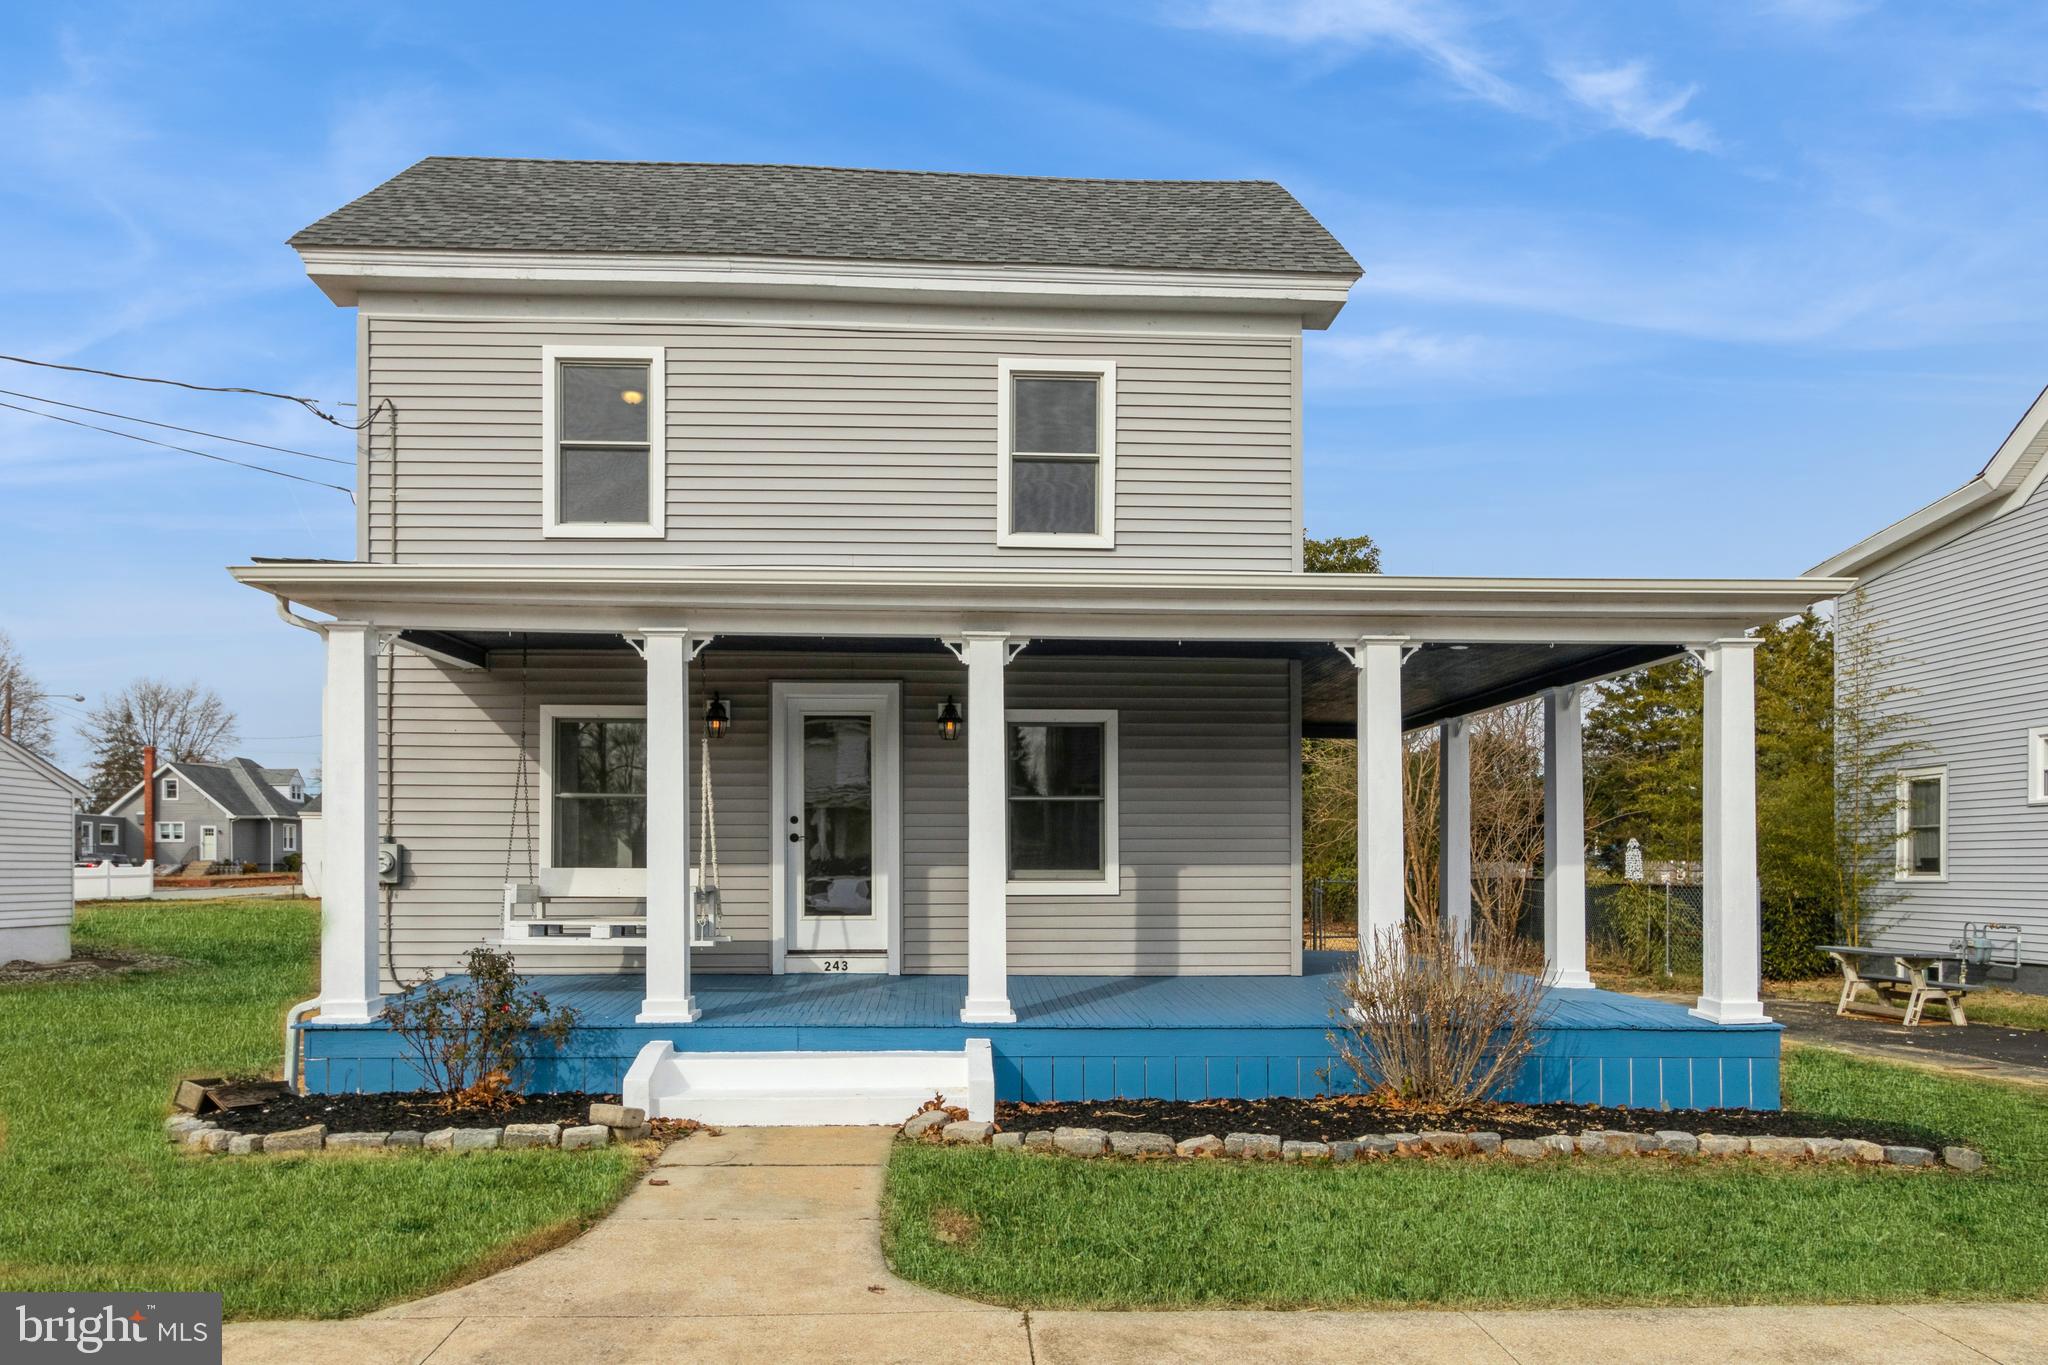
column 311, row 405
column 204, row 455
column 172, row 426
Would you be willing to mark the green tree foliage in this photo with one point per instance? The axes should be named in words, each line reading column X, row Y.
column 1643, row 780
column 1340, row 554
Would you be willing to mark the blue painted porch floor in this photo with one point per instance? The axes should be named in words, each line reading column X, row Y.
column 1097, row 1037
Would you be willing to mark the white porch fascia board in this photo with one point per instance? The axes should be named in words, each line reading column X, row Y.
column 344, row 273
column 1048, row 603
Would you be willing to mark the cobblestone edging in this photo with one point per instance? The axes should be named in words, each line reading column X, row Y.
column 608, row 1123
column 938, row 1126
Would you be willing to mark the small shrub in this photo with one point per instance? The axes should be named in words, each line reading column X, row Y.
column 1437, row 1019
column 292, row 862
column 248, row 869
column 470, row 1035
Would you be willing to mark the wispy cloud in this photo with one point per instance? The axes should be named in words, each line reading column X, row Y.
column 1435, row 31
column 1624, row 96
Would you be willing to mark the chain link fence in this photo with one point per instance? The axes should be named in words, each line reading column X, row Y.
column 1640, row 930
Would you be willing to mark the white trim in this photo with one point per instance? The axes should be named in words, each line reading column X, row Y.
column 2037, row 766
column 110, row 836
column 1902, row 870
column 163, row 768
column 1008, row 370
column 1110, row 883
column 291, row 836
column 173, row 831
column 171, row 788
column 625, row 883
column 655, row 358
column 343, row 273
column 885, row 701
column 205, row 830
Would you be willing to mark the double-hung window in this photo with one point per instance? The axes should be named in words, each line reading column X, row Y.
column 602, row 468
column 2037, row 766
column 1923, row 825
column 291, row 838
column 170, row 789
column 594, row 812
column 1062, row 803
column 1056, row 453
column 170, row 831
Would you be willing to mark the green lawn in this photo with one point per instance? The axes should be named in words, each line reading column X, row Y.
column 1045, row 1231
column 92, row 1197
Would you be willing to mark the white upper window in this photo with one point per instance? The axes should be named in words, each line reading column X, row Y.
column 602, row 467
column 2037, row 766
column 170, row 789
column 1923, row 825
column 1056, row 453
column 1062, row 778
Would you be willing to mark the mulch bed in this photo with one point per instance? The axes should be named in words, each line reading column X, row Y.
column 393, row 1113
column 1331, row 1119
column 85, row 967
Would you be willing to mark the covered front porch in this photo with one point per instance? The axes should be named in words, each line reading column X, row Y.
column 1119, row 1037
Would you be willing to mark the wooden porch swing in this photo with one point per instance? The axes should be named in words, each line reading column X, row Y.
column 525, row 904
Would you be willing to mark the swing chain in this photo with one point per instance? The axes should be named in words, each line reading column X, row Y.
column 522, row 799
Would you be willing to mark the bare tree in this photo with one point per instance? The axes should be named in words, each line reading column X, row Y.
column 1873, row 739
column 1507, row 812
column 187, row 722
column 25, row 714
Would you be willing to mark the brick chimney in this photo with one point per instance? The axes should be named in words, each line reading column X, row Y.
column 149, row 803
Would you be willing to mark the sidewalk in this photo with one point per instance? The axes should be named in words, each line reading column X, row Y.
column 763, row 1244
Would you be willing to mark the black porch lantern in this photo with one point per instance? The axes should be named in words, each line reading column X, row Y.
column 949, row 719
column 717, row 717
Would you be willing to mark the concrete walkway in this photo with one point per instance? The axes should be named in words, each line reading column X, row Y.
column 762, row 1244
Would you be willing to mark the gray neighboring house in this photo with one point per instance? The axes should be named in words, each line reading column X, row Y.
column 1958, row 592
column 237, row 811
column 38, row 805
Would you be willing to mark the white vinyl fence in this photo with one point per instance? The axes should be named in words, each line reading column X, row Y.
column 109, row 883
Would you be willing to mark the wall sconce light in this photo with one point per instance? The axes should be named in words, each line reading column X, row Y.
column 717, row 717
column 950, row 722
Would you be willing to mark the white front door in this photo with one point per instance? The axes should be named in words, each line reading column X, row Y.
column 209, row 842
column 836, row 812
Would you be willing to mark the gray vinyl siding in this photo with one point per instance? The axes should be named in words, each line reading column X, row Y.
column 192, row 807
column 1967, row 629
column 37, row 835
column 1207, row 777
column 835, row 444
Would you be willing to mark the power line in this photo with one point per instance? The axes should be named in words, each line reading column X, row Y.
column 204, row 455
column 172, row 426
column 311, row 405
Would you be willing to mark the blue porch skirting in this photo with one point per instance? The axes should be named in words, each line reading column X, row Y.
column 1106, row 1037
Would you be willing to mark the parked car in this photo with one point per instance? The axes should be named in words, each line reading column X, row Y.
column 104, row 859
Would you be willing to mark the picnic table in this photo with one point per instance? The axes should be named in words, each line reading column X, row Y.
column 1902, row 993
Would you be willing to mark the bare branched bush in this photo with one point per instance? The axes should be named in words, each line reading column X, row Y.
column 1437, row 1020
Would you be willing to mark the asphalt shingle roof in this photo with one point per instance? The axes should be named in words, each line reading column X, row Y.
column 695, row 208
column 240, row 787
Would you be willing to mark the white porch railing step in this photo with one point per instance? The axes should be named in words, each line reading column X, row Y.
column 752, row 1089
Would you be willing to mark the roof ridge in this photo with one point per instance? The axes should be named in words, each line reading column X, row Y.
column 846, row 170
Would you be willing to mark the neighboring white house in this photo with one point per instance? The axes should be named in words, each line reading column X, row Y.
column 39, row 819
column 1958, row 595
column 934, row 540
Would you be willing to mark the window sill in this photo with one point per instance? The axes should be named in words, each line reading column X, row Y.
column 1920, row 876
column 1043, row 540
column 1109, row 885
column 622, row 531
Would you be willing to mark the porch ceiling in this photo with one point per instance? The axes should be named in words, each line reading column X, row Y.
column 1437, row 682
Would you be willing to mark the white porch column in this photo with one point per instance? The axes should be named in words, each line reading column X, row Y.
column 1382, row 884
column 667, row 999
column 1564, row 839
column 987, row 655
column 348, row 803
column 1454, row 816
column 1730, row 950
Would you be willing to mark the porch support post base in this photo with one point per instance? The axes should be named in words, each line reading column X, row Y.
column 682, row 1011
column 996, row 1011
column 1731, row 929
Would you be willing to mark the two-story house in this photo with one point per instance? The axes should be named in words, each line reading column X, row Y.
column 234, row 812
column 914, row 560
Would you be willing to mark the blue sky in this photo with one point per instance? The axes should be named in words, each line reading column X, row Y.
column 1709, row 288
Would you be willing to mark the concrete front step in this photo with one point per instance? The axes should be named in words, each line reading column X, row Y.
column 741, row 1089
